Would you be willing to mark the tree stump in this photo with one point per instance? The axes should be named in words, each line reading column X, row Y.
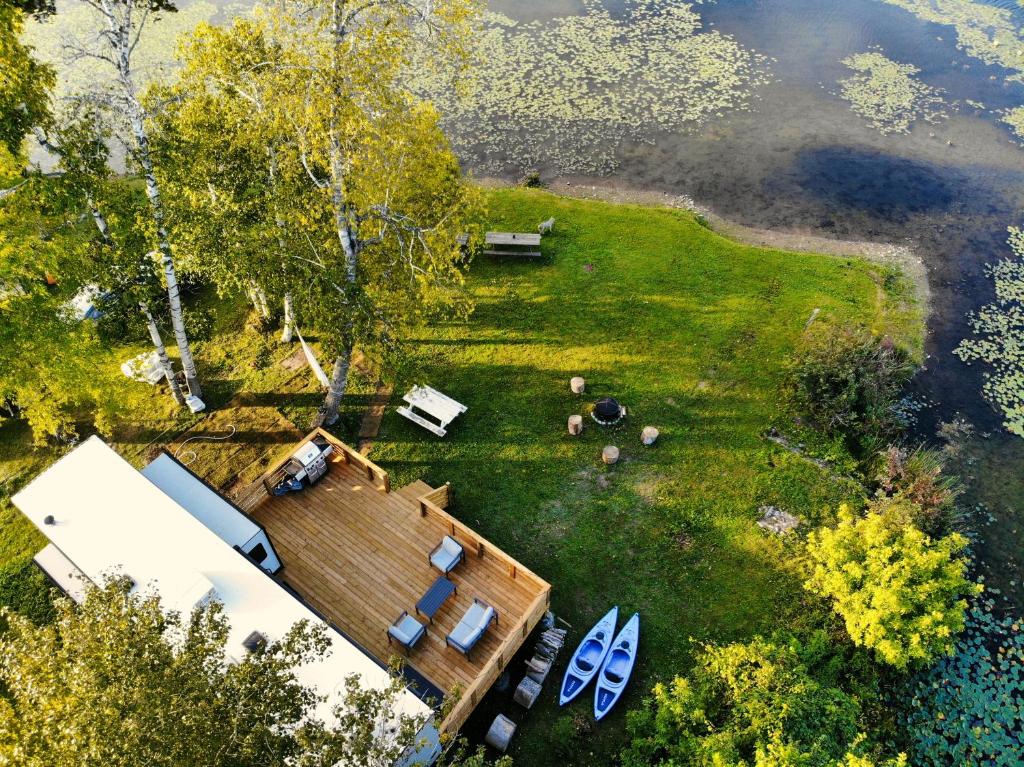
column 649, row 435
column 527, row 692
column 501, row 732
column 575, row 425
column 578, row 385
column 610, row 454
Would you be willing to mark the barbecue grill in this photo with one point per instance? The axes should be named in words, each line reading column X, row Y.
column 309, row 462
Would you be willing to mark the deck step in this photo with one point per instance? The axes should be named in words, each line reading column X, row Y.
column 414, row 490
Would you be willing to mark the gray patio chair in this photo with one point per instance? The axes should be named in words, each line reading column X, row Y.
column 407, row 631
column 447, row 554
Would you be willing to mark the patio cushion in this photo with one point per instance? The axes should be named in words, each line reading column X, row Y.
column 407, row 630
column 447, row 555
column 472, row 626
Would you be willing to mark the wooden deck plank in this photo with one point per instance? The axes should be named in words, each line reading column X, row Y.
column 360, row 557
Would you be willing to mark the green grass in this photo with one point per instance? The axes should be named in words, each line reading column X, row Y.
column 687, row 329
column 690, row 332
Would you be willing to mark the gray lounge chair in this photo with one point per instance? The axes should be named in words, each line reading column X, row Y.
column 447, row 555
column 473, row 625
column 407, row 631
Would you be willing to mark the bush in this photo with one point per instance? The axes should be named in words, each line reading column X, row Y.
column 899, row 592
column 26, row 591
column 916, row 476
column 531, row 180
column 747, row 704
column 848, row 382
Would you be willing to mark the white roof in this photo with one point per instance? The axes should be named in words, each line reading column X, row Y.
column 110, row 518
column 63, row 572
column 203, row 503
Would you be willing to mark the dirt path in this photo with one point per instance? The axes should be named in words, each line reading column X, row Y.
column 370, row 425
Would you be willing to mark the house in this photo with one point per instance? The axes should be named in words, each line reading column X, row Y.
column 346, row 551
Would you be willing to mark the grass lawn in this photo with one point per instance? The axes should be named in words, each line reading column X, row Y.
column 689, row 331
column 685, row 328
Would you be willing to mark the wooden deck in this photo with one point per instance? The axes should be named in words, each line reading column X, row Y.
column 358, row 553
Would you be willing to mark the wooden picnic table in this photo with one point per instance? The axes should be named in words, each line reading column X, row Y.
column 433, row 403
column 512, row 244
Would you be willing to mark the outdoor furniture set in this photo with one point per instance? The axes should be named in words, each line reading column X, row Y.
column 408, row 630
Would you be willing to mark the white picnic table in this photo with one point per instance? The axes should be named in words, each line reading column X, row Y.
column 433, row 403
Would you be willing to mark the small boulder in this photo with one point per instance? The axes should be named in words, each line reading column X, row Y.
column 775, row 520
column 649, row 435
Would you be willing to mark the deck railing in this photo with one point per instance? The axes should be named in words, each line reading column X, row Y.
column 472, row 695
column 477, row 544
column 249, row 498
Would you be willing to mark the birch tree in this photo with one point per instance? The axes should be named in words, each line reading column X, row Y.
column 234, row 206
column 324, row 178
column 120, row 26
column 79, row 143
column 377, row 155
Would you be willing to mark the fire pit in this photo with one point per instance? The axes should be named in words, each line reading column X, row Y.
column 607, row 411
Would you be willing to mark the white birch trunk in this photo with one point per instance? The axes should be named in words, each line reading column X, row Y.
column 289, row 320
column 264, row 308
column 339, row 383
column 161, row 353
column 156, row 207
column 347, row 236
column 120, row 37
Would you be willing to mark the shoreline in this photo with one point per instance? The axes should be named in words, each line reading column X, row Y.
column 901, row 257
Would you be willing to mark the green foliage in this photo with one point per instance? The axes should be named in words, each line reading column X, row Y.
column 968, row 708
column 27, row 592
column 747, row 704
column 132, row 684
column 999, row 331
column 848, row 383
column 899, row 592
column 914, row 481
column 25, row 83
column 298, row 163
column 48, row 360
column 888, row 93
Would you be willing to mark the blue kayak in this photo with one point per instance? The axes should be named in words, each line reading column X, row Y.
column 589, row 656
column 617, row 667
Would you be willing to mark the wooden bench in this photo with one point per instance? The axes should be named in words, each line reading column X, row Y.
column 434, row 404
column 526, row 244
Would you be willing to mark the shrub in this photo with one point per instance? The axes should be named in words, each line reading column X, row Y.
column 899, row 592
column 747, row 704
column 848, row 383
column 916, row 476
column 531, row 180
